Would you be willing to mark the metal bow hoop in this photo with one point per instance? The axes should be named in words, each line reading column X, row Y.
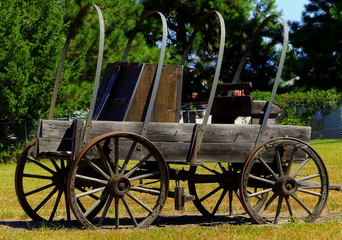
column 279, row 71
column 160, row 63
column 71, row 35
column 201, row 21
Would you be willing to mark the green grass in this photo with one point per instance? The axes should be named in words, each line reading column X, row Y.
column 330, row 151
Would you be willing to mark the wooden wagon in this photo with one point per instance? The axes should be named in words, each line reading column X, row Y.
column 114, row 169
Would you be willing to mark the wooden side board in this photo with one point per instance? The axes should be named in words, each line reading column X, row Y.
column 221, row 142
column 168, row 100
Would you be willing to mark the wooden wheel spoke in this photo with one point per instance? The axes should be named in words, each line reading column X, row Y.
column 79, row 203
column 151, row 191
column 309, row 192
column 47, row 198
column 210, row 169
column 278, row 160
column 60, row 193
column 295, row 197
column 308, row 177
column 91, row 195
column 96, row 204
column 105, row 210
column 90, row 192
column 36, row 176
column 289, row 205
column 222, row 167
column 116, row 206
column 41, row 165
column 274, row 196
column 128, row 209
column 96, row 168
column 138, row 165
column 104, row 159
column 67, row 205
column 104, row 182
column 55, row 164
column 39, row 189
column 256, row 194
column 288, row 169
column 140, row 202
column 280, row 201
column 144, row 176
column 219, row 201
column 268, row 168
column 212, row 192
column 294, row 174
column 262, row 179
column 62, row 164
column 148, row 183
column 128, row 157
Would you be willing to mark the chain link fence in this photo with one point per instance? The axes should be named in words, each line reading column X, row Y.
column 327, row 126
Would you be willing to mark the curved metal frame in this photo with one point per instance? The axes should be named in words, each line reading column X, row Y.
column 71, row 35
column 160, row 63
column 279, row 71
column 201, row 21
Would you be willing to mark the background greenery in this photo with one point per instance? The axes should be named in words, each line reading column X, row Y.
column 32, row 34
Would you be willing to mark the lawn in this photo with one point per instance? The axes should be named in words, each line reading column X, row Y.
column 186, row 224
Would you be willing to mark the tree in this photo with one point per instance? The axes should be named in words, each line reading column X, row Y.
column 32, row 34
column 242, row 18
column 317, row 46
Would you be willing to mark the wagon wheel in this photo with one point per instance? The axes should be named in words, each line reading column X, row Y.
column 293, row 175
column 214, row 186
column 41, row 186
column 124, row 176
column 211, row 184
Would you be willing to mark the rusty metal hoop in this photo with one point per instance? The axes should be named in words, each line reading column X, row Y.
column 120, row 167
column 290, row 171
column 279, row 71
column 159, row 67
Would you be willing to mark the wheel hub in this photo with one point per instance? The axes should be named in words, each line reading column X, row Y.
column 60, row 178
column 286, row 186
column 119, row 185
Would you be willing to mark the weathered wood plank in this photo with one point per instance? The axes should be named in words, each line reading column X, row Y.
column 175, row 132
column 167, row 103
column 222, row 142
column 55, row 128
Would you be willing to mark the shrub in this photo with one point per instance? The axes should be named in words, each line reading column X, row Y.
column 299, row 107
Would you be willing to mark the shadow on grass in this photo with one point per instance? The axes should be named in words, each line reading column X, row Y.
column 161, row 221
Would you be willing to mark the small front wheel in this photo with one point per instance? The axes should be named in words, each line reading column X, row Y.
column 293, row 176
column 118, row 179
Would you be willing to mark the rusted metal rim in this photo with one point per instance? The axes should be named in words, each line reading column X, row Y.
column 110, row 167
column 292, row 174
column 72, row 32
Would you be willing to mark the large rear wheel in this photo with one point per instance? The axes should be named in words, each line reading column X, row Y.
column 294, row 177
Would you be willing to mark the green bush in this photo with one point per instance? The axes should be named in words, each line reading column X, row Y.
column 299, row 107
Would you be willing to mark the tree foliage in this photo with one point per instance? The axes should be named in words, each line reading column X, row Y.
column 317, row 46
column 242, row 19
column 32, row 34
